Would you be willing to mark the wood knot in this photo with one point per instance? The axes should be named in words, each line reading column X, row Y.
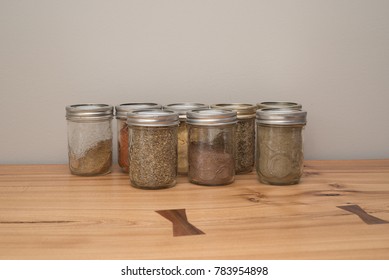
column 255, row 197
column 336, row 186
column 327, row 194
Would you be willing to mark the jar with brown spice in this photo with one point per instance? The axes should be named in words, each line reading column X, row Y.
column 211, row 152
column 122, row 129
column 89, row 138
column 279, row 158
column 182, row 109
column 152, row 148
column 244, row 135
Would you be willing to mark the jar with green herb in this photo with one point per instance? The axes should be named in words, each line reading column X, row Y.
column 122, row 129
column 152, row 148
column 279, row 157
column 279, row 104
column 244, row 135
column 89, row 130
column 211, row 151
column 182, row 109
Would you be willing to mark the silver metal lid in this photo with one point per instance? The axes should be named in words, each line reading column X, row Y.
column 89, row 112
column 243, row 110
column 279, row 104
column 283, row 116
column 183, row 108
column 211, row 117
column 124, row 108
column 152, row 117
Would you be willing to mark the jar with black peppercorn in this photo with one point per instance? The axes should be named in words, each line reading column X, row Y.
column 244, row 135
column 152, row 148
column 182, row 109
column 89, row 138
column 122, row 129
column 279, row 158
column 211, row 152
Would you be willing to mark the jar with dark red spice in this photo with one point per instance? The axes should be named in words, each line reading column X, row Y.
column 122, row 128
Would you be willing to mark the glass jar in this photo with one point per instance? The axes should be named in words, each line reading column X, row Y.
column 279, row 158
column 211, row 151
column 182, row 109
column 122, row 128
column 279, row 104
column 244, row 135
column 152, row 148
column 89, row 138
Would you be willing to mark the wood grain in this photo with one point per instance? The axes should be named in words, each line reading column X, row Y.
column 47, row 213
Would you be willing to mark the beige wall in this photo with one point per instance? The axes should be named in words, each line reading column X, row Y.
column 331, row 56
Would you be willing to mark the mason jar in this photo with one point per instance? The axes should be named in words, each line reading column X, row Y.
column 280, row 157
column 182, row 109
column 152, row 148
column 122, row 129
column 89, row 129
column 244, row 135
column 211, row 151
column 279, row 104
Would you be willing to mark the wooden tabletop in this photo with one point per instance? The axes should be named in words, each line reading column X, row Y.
column 340, row 210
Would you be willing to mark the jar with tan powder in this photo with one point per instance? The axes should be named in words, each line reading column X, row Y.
column 89, row 138
column 182, row 109
column 279, row 157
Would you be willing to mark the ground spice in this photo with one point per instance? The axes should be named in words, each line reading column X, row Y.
column 89, row 138
column 211, row 151
column 210, row 165
column 123, row 146
column 95, row 161
column 122, row 128
column 182, row 148
column 182, row 109
column 153, row 157
column 280, row 155
column 279, row 158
